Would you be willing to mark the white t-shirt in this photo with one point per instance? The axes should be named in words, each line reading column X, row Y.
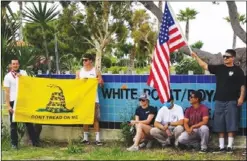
column 166, row 115
column 89, row 74
column 10, row 81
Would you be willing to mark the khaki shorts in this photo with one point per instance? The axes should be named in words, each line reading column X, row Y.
column 97, row 111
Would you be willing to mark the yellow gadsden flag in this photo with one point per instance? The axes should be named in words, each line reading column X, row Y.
column 55, row 101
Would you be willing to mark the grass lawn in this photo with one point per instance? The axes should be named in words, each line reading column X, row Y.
column 110, row 151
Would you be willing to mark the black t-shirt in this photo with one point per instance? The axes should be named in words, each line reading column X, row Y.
column 228, row 81
column 143, row 113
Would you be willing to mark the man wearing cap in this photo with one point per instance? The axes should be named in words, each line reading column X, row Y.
column 144, row 119
column 168, row 123
column 89, row 71
column 230, row 92
column 195, row 123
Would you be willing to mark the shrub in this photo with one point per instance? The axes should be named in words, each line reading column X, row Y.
column 127, row 133
column 73, row 148
column 21, row 129
column 117, row 69
column 188, row 64
column 5, row 140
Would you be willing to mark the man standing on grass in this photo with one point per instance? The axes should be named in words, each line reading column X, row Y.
column 89, row 71
column 9, row 84
column 230, row 91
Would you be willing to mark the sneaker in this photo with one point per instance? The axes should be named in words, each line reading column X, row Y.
column 229, row 150
column 38, row 145
column 203, row 151
column 166, row 143
column 219, row 150
column 133, row 148
column 86, row 142
column 14, row 147
column 99, row 143
column 244, row 153
column 176, row 143
column 149, row 144
column 142, row 145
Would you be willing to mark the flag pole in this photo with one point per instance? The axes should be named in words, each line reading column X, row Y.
column 179, row 27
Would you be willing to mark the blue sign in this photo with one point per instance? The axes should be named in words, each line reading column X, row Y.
column 119, row 96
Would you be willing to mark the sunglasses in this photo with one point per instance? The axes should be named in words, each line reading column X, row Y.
column 142, row 100
column 85, row 60
column 192, row 97
column 226, row 57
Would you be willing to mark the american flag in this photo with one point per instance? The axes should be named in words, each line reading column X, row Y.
column 170, row 39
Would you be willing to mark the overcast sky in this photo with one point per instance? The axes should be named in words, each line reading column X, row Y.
column 209, row 25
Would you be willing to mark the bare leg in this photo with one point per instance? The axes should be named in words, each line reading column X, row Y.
column 141, row 130
column 85, row 128
column 96, row 125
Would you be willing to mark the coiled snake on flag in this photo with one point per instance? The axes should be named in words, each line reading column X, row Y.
column 57, row 103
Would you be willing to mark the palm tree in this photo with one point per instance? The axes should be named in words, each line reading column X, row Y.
column 9, row 28
column 65, row 4
column 42, row 15
column 21, row 28
column 242, row 20
column 187, row 15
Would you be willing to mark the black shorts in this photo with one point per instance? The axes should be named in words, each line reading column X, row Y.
column 226, row 116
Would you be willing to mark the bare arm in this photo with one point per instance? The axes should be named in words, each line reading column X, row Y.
column 179, row 122
column 242, row 95
column 186, row 124
column 160, row 126
column 7, row 97
column 77, row 75
column 148, row 120
column 200, row 61
column 137, row 118
column 100, row 79
column 203, row 122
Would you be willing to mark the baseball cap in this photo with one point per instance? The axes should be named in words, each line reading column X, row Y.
column 144, row 96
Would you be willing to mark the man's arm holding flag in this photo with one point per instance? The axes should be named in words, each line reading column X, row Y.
column 203, row 64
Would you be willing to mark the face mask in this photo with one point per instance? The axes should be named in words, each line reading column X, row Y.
column 168, row 104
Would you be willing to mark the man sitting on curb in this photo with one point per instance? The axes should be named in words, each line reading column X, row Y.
column 195, row 123
column 168, row 123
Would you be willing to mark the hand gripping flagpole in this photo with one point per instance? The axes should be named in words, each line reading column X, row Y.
column 179, row 27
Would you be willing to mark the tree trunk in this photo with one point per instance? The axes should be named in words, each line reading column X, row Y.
column 98, row 60
column 213, row 58
column 132, row 60
column 232, row 9
column 21, row 27
column 46, row 50
column 56, row 55
column 234, row 19
column 187, row 30
column 160, row 7
column 153, row 8
column 234, row 41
